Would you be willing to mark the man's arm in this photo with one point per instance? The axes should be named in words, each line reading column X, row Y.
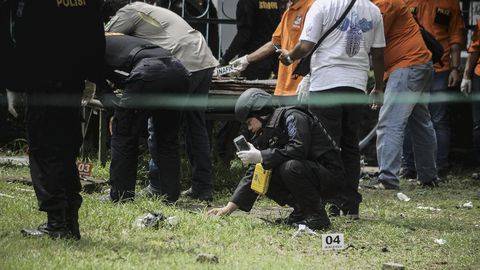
column 261, row 53
column 378, row 71
column 456, row 31
column 378, row 67
column 454, row 77
column 472, row 61
column 245, row 23
column 302, row 49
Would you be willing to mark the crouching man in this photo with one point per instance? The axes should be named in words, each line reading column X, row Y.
column 154, row 86
column 305, row 162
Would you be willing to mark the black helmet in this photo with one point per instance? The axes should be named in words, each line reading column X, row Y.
column 253, row 102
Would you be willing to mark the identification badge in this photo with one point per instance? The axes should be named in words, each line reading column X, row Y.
column 442, row 16
column 84, row 169
column 333, row 241
column 261, row 179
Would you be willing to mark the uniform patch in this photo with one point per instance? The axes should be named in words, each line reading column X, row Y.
column 291, row 126
column 297, row 23
column 442, row 16
column 267, row 5
column 71, row 3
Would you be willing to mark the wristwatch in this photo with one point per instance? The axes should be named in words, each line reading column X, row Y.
column 288, row 59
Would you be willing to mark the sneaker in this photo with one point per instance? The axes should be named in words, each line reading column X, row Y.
column 193, row 195
column 379, row 185
column 348, row 209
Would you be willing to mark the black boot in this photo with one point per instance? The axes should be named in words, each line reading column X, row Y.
column 72, row 223
column 55, row 228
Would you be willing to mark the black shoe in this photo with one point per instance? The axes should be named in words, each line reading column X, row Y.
column 207, row 197
column 149, row 192
column 295, row 216
column 108, row 199
column 430, row 184
column 348, row 209
column 375, row 183
column 316, row 221
column 55, row 228
column 408, row 174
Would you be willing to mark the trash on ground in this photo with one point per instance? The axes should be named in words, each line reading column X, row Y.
column 468, row 205
column 392, row 266
column 385, row 249
column 402, row 197
column 440, row 241
column 402, row 215
column 303, row 230
column 207, row 258
column 7, row 196
column 429, row 208
column 149, row 220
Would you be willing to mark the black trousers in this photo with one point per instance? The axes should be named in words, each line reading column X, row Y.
column 343, row 122
column 54, row 139
column 297, row 183
column 127, row 126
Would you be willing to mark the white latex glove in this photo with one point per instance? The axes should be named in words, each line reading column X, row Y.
column 240, row 64
column 303, row 89
column 466, row 87
column 13, row 100
column 252, row 156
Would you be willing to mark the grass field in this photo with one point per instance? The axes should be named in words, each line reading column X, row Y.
column 388, row 231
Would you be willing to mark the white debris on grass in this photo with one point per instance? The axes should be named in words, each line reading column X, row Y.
column 468, row 205
column 303, row 230
column 402, row 197
column 429, row 208
column 440, row 241
column 6, row 195
column 173, row 221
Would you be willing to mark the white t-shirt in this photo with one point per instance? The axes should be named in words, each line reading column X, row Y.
column 342, row 59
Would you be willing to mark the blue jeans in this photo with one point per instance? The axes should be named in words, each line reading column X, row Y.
column 441, row 124
column 411, row 83
column 196, row 138
column 476, row 118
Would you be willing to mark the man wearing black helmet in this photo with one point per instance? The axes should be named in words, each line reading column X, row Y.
column 305, row 162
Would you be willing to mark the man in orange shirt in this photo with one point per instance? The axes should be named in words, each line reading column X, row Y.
column 443, row 19
column 471, row 84
column 409, row 71
column 285, row 36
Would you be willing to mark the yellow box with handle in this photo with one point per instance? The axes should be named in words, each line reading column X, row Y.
column 261, row 179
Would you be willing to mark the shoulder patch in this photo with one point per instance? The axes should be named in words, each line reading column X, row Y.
column 291, row 126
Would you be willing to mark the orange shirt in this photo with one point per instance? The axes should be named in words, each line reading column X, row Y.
column 405, row 45
column 443, row 19
column 287, row 35
column 475, row 46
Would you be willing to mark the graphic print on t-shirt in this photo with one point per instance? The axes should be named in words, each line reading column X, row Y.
column 355, row 28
